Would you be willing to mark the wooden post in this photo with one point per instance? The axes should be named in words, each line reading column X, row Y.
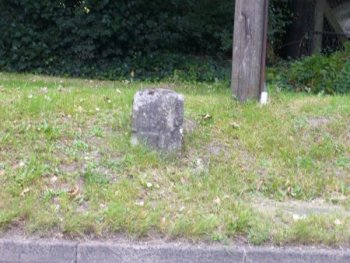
column 248, row 48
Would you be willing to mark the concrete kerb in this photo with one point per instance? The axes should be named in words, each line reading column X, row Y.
column 296, row 255
column 38, row 251
column 108, row 253
column 44, row 251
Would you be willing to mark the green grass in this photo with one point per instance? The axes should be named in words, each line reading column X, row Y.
column 67, row 167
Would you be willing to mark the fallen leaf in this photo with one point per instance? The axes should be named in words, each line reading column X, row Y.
column 182, row 180
column 53, row 179
column 297, row 217
column 73, row 192
column 235, row 125
column 207, row 117
column 2, row 172
column 140, row 203
column 25, row 190
column 337, row 222
column 217, row 201
column 44, row 90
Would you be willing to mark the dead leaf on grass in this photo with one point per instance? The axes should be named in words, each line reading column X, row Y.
column 297, row 217
column 235, row 125
column 182, row 208
column 217, row 201
column 25, row 191
column 140, row 203
column 337, row 222
column 74, row 192
column 20, row 164
column 44, row 90
column 207, row 117
column 80, row 109
column 53, row 179
column 182, row 180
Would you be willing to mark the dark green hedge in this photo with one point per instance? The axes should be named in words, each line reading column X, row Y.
column 111, row 39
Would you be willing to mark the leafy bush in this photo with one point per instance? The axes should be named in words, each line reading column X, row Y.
column 280, row 17
column 319, row 73
column 112, row 39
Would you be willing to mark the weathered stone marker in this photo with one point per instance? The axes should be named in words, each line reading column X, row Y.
column 158, row 116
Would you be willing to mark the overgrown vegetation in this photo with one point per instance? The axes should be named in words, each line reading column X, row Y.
column 122, row 39
column 275, row 174
column 182, row 40
column 325, row 74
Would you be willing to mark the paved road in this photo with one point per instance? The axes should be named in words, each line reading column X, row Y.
column 106, row 252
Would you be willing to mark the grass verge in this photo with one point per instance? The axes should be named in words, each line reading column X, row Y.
column 276, row 174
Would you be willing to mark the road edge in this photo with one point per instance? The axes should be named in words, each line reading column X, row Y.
column 51, row 251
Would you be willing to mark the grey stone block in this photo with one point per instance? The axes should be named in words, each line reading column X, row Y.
column 37, row 252
column 97, row 253
column 158, row 119
column 273, row 255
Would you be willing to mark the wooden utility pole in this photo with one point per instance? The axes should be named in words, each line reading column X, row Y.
column 249, row 50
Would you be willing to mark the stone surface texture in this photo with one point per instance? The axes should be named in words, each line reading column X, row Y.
column 108, row 253
column 158, row 116
column 37, row 252
column 47, row 251
column 271, row 255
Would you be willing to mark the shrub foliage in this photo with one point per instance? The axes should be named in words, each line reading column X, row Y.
column 319, row 73
column 112, row 39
